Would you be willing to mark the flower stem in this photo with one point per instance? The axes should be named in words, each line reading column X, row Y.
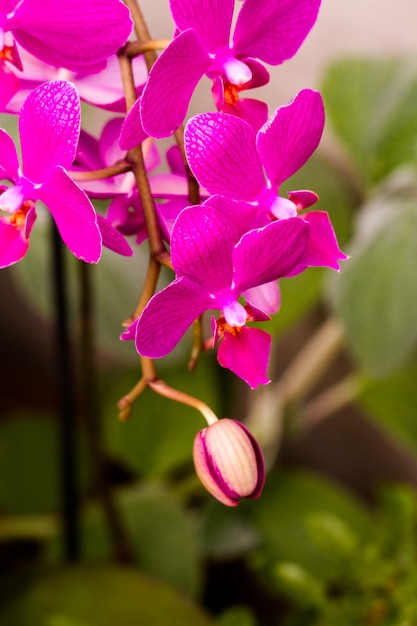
column 106, row 172
column 135, row 48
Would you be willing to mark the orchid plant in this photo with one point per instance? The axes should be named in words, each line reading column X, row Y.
column 216, row 219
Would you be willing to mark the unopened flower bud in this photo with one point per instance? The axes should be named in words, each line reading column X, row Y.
column 229, row 462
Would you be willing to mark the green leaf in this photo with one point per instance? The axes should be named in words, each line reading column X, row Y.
column 392, row 402
column 101, row 596
column 30, row 465
column 376, row 294
column 163, row 538
column 372, row 107
column 292, row 505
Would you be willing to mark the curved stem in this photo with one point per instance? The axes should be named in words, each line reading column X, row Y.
column 135, row 48
column 106, row 172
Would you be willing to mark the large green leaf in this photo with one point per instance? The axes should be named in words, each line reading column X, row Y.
column 376, row 293
column 30, row 465
column 393, row 402
column 101, row 596
column 300, row 513
column 372, row 107
column 162, row 536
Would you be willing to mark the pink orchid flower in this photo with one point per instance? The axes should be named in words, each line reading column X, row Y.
column 74, row 34
column 230, row 159
column 271, row 31
column 213, row 267
column 49, row 127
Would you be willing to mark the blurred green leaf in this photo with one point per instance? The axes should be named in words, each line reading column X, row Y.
column 292, row 504
column 101, row 596
column 226, row 533
column 392, row 402
column 376, row 293
column 237, row 616
column 159, row 435
column 29, row 465
column 372, row 107
column 163, row 537
column 298, row 585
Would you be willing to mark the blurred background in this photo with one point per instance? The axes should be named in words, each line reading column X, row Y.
column 103, row 522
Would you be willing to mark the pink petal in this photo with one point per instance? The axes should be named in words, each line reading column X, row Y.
column 201, row 247
column 13, row 243
column 322, row 249
column 168, row 315
column 10, row 85
column 105, row 88
column 275, row 31
column 222, row 154
column 74, row 216
column 49, row 125
column 252, row 111
column 268, row 253
column 112, row 239
column 71, row 33
column 291, row 135
column 266, row 297
column 132, row 133
column 246, row 354
column 171, row 82
column 9, row 162
column 211, row 20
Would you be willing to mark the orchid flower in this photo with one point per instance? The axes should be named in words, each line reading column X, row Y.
column 49, row 127
column 229, row 159
column 271, row 31
column 170, row 190
column 74, row 34
column 103, row 88
column 213, row 267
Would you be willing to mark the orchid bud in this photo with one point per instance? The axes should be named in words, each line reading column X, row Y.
column 229, row 462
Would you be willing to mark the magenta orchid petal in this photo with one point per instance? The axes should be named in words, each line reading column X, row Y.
column 168, row 212
column 49, row 125
column 266, row 297
column 105, row 88
column 322, row 249
column 243, row 215
column 74, row 215
column 169, row 186
column 10, row 85
column 207, row 255
column 286, row 23
column 222, row 154
column 246, row 354
column 269, row 253
column 132, row 133
column 9, row 162
column 112, row 239
column 171, row 82
column 303, row 198
column 13, row 243
column 168, row 315
column 255, row 112
column 69, row 33
column 291, row 136
column 212, row 20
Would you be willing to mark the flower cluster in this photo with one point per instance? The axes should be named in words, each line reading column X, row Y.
column 230, row 241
